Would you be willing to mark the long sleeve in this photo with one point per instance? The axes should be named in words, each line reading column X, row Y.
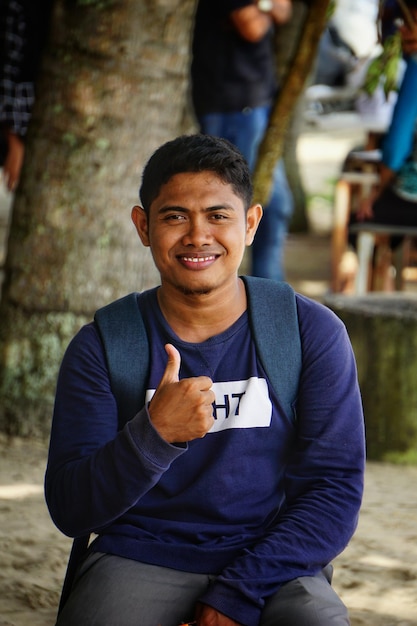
column 94, row 473
column 398, row 143
column 324, row 478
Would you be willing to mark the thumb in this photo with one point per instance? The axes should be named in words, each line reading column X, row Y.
column 172, row 369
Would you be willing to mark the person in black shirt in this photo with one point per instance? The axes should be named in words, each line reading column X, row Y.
column 234, row 83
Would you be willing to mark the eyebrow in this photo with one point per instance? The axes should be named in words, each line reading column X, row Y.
column 210, row 209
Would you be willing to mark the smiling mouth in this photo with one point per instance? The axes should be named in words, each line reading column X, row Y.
column 197, row 261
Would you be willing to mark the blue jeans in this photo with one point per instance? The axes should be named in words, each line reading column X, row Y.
column 245, row 129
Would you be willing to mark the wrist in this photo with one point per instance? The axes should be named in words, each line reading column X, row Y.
column 265, row 6
column 279, row 11
column 13, row 138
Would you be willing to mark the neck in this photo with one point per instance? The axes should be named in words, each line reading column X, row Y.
column 196, row 317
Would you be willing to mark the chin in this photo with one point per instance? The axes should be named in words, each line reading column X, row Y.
column 194, row 288
column 195, row 292
column 196, row 284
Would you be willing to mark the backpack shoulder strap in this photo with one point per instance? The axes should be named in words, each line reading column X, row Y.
column 274, row 322
column 123, row 334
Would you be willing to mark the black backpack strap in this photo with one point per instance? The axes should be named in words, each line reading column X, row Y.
column 274, row 322
column 78, row 551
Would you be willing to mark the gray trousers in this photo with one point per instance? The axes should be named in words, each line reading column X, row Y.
column 113, row 591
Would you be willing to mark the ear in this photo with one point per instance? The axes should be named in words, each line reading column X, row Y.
column 140, row 220
column 253, row 217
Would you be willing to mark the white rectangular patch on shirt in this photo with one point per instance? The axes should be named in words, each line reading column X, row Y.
column 239, row 404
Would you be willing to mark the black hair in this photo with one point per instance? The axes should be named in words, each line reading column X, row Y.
column 196, row 153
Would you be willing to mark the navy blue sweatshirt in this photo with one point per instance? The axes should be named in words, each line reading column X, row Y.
column 259, row 501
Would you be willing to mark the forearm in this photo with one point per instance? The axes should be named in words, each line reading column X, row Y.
column 365, row 210
column 315, row 528
column 91, row 491
column 386, row 176
column 95, row 473
column 14, row 159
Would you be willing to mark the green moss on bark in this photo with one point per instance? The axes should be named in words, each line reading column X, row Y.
column 31, row 356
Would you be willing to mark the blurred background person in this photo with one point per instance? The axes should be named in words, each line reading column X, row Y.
column 393, row 202
column 395, row 199
column 23, row 29
column 234, row 84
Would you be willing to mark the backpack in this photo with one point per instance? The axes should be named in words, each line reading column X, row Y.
column 274, row 325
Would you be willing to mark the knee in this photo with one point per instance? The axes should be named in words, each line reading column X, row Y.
column 305, row 601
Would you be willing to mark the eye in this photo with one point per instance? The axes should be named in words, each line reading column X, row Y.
column 174, row 217
column 217, row 217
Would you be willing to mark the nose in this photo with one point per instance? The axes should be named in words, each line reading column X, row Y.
column 198, row 233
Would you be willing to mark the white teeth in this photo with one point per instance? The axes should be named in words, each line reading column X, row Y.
column 198, row 259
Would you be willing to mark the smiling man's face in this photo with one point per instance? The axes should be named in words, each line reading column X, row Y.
column 197, row 230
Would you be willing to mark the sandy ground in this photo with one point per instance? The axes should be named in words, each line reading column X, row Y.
column 376, row 575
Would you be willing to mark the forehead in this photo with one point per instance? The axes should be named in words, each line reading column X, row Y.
column 196, row 188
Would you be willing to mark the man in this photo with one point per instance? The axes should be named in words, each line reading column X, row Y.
column 234, row 83
column 212, row 503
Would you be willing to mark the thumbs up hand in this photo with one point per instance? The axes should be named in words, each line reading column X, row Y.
column 181, row 410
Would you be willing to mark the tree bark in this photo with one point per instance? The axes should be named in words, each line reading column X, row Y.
column 383, row 331
column 113, row 86
column 271, row 148
column 287, row 39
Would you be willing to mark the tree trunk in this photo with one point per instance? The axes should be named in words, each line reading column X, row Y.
column 287, row 39
column 299, row 221
column 383, row 331
column 271, row 148
column 113, row 87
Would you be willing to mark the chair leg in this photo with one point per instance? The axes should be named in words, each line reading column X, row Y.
column 339, row 233
column 366, row 245
column 382, row 278
column 403, row 258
